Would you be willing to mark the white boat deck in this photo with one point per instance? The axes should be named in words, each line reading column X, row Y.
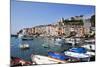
column 76, row 55
column 90, row 53
column 45, row 60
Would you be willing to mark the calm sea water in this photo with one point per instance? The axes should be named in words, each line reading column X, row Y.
column 35, row 47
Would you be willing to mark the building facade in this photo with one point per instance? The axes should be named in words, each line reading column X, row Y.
column 61, row 28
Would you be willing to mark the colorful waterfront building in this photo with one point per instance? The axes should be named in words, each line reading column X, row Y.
column 63, row 27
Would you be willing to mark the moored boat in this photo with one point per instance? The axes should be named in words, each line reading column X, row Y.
column 27, row 38
column 79, row 53
column 24, row 46
column 80, row 56
column 39, row 59
column 59, row 41
column 20, row 35
column 14, row 35
column 89, row 46
column 45, row 45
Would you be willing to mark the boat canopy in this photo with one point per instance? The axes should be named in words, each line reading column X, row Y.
column 57, row 55
column 78, row 50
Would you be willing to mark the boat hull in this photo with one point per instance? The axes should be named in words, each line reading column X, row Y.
column 38, row 59
column 24, row 46
column 80, row 56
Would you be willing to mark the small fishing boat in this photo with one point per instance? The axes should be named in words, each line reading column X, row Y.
column 39, row 59
column 58, row 39
column 45, row 45
column 81, row 56
column 20, row 35
column 79, row 53
column 56, row 55
column 89, row 46
column 24, row 46
column 14, row 35
column 90, row 40
column 27, row 38
column 59, row 42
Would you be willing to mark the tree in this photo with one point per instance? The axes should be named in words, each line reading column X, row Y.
column 92, row 19
column 72, row 18
column 81, row 15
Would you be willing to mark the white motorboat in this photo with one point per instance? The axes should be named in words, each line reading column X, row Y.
column 25, row 37
column 20, row 35
column 76, row 55
column 80, row 56
column 73, row 40
column 90, row 40
column 59, row 41
column 39, row 59
column 24, row 46
column 89, row 46
column 45, row 45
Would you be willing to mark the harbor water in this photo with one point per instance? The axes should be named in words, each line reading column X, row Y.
column 36, row 47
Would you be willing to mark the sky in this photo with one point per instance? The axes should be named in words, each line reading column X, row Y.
column 30, row 14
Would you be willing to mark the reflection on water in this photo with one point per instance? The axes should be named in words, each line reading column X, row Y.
column 36, row 47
